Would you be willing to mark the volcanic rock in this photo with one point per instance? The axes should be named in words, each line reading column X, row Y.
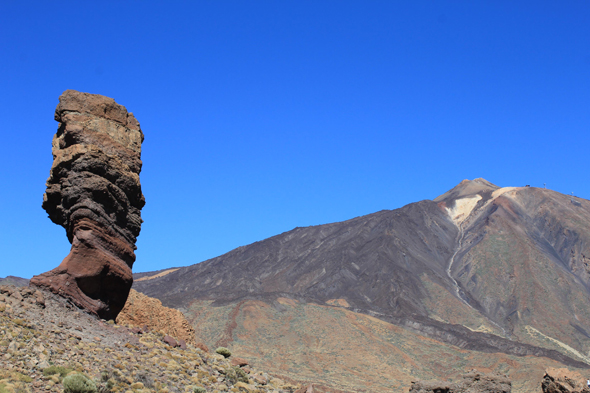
column 12, row 295
column 563, row 381
column 170, row 341
column 473, row 382
column 148, row 313
column 37, row 344
column 235, row 361
column 94, row 192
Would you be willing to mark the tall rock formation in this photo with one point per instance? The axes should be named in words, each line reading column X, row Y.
column 94, row 192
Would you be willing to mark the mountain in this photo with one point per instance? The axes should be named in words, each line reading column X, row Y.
column 13, row 280
column 501, row 273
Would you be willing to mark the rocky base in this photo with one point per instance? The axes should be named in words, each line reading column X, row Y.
column 43, row 338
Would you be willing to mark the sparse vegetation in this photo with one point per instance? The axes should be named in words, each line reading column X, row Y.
column 223, row 351
column 79, row 383
column 146, row 380
column 22, row 377
column 241, row 374
column 230, row 375
column 52, row 370
column 78, row 355
column 235, row 374
column 106, row 381
column 18, row 322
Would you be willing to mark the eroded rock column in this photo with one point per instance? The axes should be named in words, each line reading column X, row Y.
column 94, row 192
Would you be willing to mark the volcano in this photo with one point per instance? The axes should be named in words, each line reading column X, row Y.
column 480, row 277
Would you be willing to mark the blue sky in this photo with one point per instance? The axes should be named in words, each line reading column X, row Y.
column 261, row 116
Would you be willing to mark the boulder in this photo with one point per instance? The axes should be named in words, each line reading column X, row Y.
column 235, row 361
column 170, row 341
column 94, row 192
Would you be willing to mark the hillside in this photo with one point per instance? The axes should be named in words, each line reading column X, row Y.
column 43, row 338
column 481, row 269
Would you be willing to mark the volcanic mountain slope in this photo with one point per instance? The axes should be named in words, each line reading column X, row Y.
column 481, row 268
column 522, row 261
column 16, row 281
column 373, row 261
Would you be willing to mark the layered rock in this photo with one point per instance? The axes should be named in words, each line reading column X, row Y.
column 472, row 382
column 94, row 192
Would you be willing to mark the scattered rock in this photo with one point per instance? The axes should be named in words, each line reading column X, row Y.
column 182, row 344
column 94, row 192
column 472, row 382
column 433, row 387
column 260, row 379
column 235, row 361
column 23, row 296
column 37, row 355
column 170, row 341
column 136, row 330
column 146, row 313
column 202, row 347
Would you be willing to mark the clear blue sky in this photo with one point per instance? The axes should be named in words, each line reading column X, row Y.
column 261, row 116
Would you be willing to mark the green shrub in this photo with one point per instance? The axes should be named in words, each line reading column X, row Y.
column 241, row 374
column 199, row 389
column 235, row 374
column 61, row 370
column 79, row 383
column 223, row 351
column 230, row 375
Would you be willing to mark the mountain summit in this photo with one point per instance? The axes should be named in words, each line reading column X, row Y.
column 483, row 268
column 468, row 188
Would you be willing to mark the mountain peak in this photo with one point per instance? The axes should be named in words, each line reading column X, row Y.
column 468, row 188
